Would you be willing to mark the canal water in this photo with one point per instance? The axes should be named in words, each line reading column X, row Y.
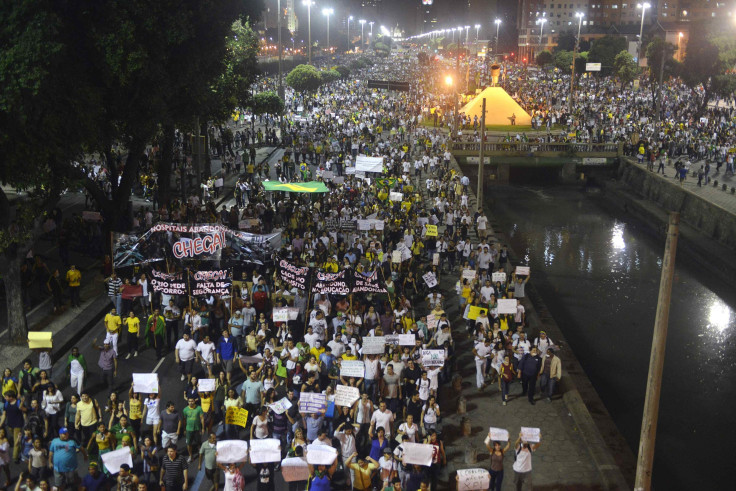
column 599, row 274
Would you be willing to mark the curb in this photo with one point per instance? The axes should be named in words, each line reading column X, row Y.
column 226, row 195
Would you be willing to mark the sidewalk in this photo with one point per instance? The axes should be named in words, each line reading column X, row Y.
column 573, row 454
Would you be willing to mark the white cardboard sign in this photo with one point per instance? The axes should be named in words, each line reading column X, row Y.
column 369, row 164
column 498, row 277
column 281, row 315
column 407, row 340
column 473, row 479
column 498, row 434
column 206, row 385
column 507, row 306
column 352, row 368
column 374, row 345
column 346, row 395
column 294, row 469
column 530, row 435
column 321, row 454
column 265, row 450
column 418, row 453
column 433, row 357
column 430, row 279
column 522, row 271
column 113, row 460
column 468, row 274
column 145, row 383
column 281, row 406
column 231, row 451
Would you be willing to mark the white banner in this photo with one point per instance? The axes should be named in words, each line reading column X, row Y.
column 232, row 451
column 321, row 454
column 352, row 368
column 473, row 479
column 346, row 396
column 266, row 450
column 369, row 164
column 294, row 469
column 374, row 345
column 418, row 453
column 113, row 460
column 145, row 383
column 507, row 306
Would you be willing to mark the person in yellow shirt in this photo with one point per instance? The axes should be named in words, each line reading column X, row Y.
column 74, row 279
column 112, row 323
column 133, row 323
column 348, row 355
column 363, row 472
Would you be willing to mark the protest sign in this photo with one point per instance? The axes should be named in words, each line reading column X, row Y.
column 364, row 224
column 475, row 311
column 281, row 315
column 430, row 279
column 310, row 402
column 294, row 276
column 331, row 283
column 378, row 224
column 231, row 451
column 206, row 385
column 321, row 454
column 436, row 259
column 395, row 196
column 433, row 357
column 374, row 345
column 145, row 383
column 216, row 282
column 170, row 284
column 498, row 434
column 368, row 164
column 391, row 339
column 395, row 256
column 507, row 306
column 236, row 416
column 432, row 321
column 406, row 340
column 417, row 453
column 113, row 460
column 294, row 469
column 522, row 271
column 498, row 277
column 431, row 231
column 468, row 274
column 257, row 358
column 352, row 368
column 265, row 450
column 280, row 406
column 345, row 395
column 91, row 216
column 530, row 435
column 39, row 340
column 473, row 479
column 328, row 175
column 367, row 283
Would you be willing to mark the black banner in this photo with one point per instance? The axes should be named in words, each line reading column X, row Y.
column 334, row 283
column 294, row 276
column 217, row 282
column 367, row 283
column 170, row 284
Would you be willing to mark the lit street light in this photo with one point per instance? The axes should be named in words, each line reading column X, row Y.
column 309, row 4
column 498, row 26
column 362, row 42
column 580, row 16
column 328, row 12
column 541, row 23
column 643, row 6
column 477, row 30
column 350, row 17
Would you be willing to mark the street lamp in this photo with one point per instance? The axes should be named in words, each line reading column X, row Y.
column 350, row 17
column 580, row 16
column 467, row 31
column 477, row 30
column 309, row 4
column 328, row 12
column 362, row 43
column 679, row 47
column 498, row 26
column 450, row 83
column 541, row 23
column 643, row 6
column 453, row 34
column 371, row 24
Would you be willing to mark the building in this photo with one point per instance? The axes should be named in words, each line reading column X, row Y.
column 292, row 21
column 539, row 22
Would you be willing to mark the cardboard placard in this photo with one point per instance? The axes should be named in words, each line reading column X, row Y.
column 311, row 402
column 206, row 385
column 473, row 479
column 395, row 196
column 145, row 383
column 507, row 306
column 498, row 434
column 232, row 451
column 265, row 450
column 281, row 315
column 436, row 259
column 346, row 395
column 321, row 454
column 498, row 277
column 236, row 416
column 294, row 469
column 522, row 271
column 407, row 340
column 530, row 435
column 468, row 274
column 432, row 321
column 374, row 345
column 433, row 357
column 352, row 368
column 281, row 406
column 475, row 311
column 368, row 164
column 396, row 257
column 113, row 460
column 431, row 231
column 39, row 340
column 417, row 453
column 430, row 279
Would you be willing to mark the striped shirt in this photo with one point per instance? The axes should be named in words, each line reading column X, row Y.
column 113, row 286
column 174, row 470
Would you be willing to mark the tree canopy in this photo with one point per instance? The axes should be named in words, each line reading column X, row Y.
column 304, row 78
column 605, row 50
column 625, row 67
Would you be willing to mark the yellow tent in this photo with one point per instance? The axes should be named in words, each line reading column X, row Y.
column 499, row 108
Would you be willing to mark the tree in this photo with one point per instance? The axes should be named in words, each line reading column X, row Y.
column 545, row 58
column 705, row 65
column 605, row 50
column 267, row 103
column 659, row 58
column 304, row 78
column 563, row 61
column 565, row 41
column 625, row 67
column 329, row 76
column 343, row 71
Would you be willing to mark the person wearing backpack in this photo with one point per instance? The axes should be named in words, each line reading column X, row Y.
column 523, row 463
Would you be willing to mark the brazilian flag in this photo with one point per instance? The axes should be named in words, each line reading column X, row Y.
column 386, row 182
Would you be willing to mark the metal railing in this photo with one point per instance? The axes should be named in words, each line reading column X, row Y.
column 532, row 147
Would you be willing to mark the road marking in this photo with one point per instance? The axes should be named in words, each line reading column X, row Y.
column 198, row 480
column 158, row 364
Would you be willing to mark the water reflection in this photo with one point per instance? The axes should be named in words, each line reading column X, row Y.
column 720, row 316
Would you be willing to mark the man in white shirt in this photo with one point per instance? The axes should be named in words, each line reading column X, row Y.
column 337, row 347
column 486, row 291
column 521, row 346
column 523, row 463
column 481, row 351
column 185, row 352
column 482, row 222
column 206, row 354
column 345, row 434
column 311, row 338
column 319, row 325
column 381, row 418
